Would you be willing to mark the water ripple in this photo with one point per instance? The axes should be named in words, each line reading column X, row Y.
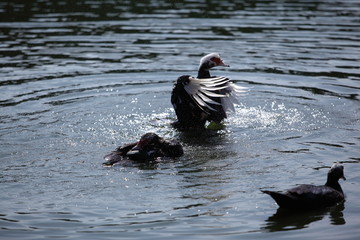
column 79, row 78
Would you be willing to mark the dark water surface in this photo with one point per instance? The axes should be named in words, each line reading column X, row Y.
column 79, row 78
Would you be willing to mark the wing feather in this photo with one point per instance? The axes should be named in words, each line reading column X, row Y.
column 205, row 92
column 208, row 100
column 202, row 103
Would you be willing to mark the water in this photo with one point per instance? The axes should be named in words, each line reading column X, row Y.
column 79, row 78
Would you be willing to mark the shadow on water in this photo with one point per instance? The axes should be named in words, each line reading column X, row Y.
column 285, row 220
column 203, row 137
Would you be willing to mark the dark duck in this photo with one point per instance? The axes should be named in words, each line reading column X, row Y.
column 309, row 196
column 204, row 98
column 149, row 148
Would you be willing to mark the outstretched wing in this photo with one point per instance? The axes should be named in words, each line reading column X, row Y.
column 209, row 92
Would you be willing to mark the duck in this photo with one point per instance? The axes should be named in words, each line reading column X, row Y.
column 149, row 148
column 308, row 196
column 197, row 100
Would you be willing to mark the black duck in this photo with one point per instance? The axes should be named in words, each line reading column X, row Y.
column 310, row 196
column 204, row 98
column 148, row 148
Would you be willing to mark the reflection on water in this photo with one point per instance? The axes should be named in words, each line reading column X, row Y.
column 79, row 78
column 284, row 220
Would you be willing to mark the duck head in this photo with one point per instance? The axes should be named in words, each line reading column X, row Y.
column 146, row 148
column 209, row 61
column 336, row 172
column 212, row 60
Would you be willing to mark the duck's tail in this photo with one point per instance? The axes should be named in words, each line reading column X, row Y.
column 281, row 199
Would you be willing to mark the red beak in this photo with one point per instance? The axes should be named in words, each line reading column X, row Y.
column 221, row 63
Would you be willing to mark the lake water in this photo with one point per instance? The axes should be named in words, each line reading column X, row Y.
column 79, row 78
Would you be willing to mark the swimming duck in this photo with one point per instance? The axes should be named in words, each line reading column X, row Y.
column 148, row 148
column 204, row 98
column 309, row 196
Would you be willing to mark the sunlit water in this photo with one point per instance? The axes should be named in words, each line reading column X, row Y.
column 79, row 78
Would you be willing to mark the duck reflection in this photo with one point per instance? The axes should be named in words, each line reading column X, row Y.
column 286, row 219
